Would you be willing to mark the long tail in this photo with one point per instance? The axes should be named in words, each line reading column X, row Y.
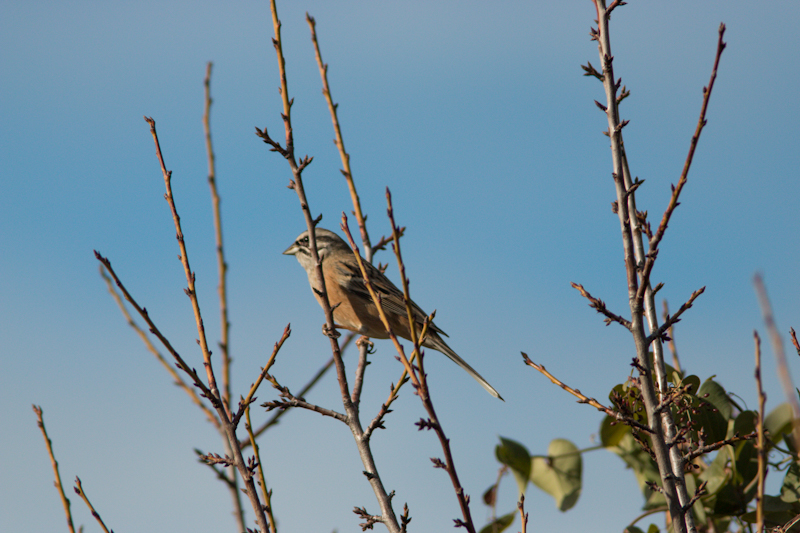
column 435, row 341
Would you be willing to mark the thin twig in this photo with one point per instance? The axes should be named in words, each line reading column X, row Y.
column 616, row 415
column 307, row 387
column 177, row 379
column 762, row 450
column 289, row 400
column 211, row 391
column 222, row 269
column 377, row 301
column 245, row 403
column 155, row 331
column 676, row 190
column 222, row 265
column 780, row 354
column 266, row 494
column 433, row 421
column 49, row 444
column 523, row 515
column 788, row 525
column 669, row 321
column 388, row 516
column 364, row 349
column 663, row 427
column 676, row 363
column 339, row 141
column 191, row 290
column 79, row 491
column 708, row 448
column 600, row 307
column 348, row 175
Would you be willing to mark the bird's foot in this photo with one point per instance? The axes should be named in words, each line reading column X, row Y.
column 364, row 341
column 330, row 332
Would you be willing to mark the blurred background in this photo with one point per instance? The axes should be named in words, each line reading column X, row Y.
column 477, row 116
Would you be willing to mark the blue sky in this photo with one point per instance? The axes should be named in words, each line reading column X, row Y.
column 478, row 118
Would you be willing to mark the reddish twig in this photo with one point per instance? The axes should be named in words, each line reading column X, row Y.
column 600, row 307
column 79, row 491
column 190, row 290
column 616, row 415
column 676, row 190
column 59, row 486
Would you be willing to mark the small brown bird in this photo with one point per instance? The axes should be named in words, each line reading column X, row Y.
column 352, row 303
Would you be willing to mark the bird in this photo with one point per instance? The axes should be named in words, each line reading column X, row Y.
column 353, row 307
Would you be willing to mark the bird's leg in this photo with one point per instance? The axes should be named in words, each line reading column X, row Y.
column 364, row 341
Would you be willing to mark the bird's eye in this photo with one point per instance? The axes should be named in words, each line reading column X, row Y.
column 304, row 241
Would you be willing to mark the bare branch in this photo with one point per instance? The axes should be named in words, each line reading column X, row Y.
column 79, row 491
column 303, row 391
column 245, row 403
column 669, row 321
column 155, row 331
column 177, row 379
column 600, row 307
column 191, row 290
column 780, row 354
column 616, row 415
column 676, row 190
column 49, row 444
column 222, row 265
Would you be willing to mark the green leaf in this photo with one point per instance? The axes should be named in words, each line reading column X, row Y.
column 745, row 423
column 644, row 468
column 790, row 491
column 717, row 473
column 517, row 458
column 711, row 420
column 779, row 422
column 632, row 529
column 612, row 431
column 692, row 380
column 715, row 394
column 500, row 523
column 776, row 512
column 746, row 462
column 559, row 474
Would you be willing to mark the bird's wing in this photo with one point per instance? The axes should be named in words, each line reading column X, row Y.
column 391, row 297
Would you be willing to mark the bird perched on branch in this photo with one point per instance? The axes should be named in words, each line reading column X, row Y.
column 352, row 304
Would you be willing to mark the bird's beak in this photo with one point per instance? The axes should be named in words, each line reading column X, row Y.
column 291, row 250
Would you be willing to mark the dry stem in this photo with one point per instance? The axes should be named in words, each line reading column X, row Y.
column 191, row 291
column 177, row 379
column 585, row 399
column 762, row 451
column 79, row 491
column 339, row 141
column 222, row 265
column 351, row 409
column 222, row 268
column 265, row 493
column 49, row 444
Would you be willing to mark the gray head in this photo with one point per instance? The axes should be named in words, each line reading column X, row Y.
column 327, row 243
